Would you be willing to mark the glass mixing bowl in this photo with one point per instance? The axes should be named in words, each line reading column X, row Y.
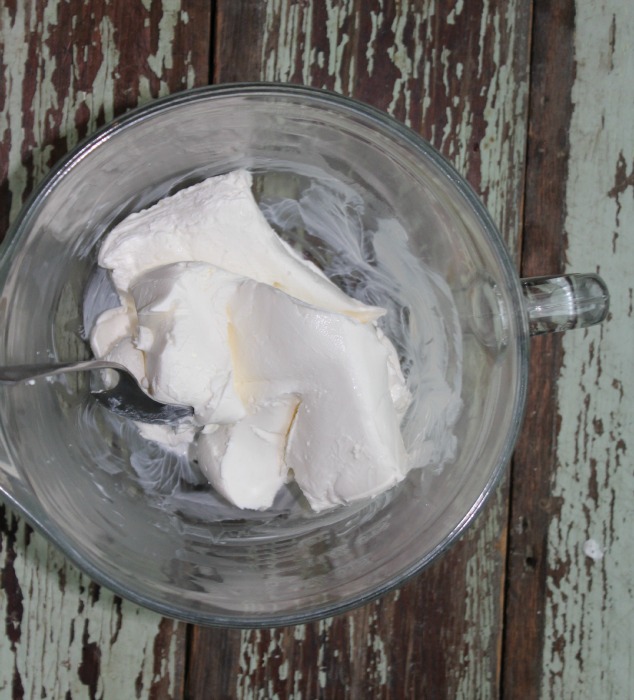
column 141, row 522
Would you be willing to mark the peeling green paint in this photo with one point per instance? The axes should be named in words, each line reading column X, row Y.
column 589, row 648
column 70, row 638
column 62, row 613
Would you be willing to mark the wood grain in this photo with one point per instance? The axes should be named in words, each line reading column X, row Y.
column 64, row 636
column 532, row 503
column 567, row 631
column 425, row 640
column 67, row 67
column 589, row 648
column 457, row 73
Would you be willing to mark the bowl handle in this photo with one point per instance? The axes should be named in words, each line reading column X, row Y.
column 560, row 303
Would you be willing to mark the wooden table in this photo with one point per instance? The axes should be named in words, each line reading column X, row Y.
column 532, row 100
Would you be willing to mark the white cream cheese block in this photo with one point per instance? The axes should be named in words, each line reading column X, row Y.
column 289, row 377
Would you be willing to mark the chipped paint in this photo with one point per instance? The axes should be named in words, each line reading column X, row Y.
column 407, row 63
column 365, row 49
column 65, row 69
column 261, row 652
column 161, row 60
column 351, row 637
column 481, row 615
column 48, row 110
column 87, row 641
column 379, row 665
column 588, row 648
column 289, row 34
column 455, row 12
column 11, row 111
column 302, row 45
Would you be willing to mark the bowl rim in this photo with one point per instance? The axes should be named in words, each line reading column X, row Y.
column 394, row 129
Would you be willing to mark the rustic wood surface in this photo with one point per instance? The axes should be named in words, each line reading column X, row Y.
column 531, row 503
column 589, row 646
column 458, row 75
column 531, row 100
column 65, row 69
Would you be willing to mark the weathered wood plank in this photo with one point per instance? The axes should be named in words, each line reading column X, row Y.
column 64, row 636
column 570, row 596
column 589, row 650
column 542, row 253
column 425, row 640
column 457, row 73
column 65, row 68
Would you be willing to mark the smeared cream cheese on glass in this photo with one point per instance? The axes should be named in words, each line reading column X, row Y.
column 289, row 377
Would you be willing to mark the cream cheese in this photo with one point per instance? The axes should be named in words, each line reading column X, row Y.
column 218, row 221
column 289, row 377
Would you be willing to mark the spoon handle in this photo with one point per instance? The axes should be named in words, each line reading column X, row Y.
column 15, row 374
column 126, row 397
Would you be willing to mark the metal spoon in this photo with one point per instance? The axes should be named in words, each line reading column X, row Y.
column 126, row 398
